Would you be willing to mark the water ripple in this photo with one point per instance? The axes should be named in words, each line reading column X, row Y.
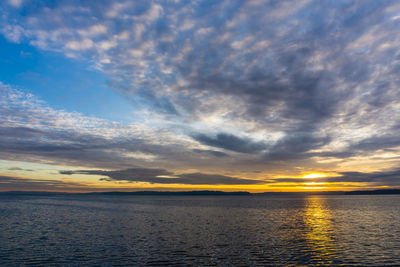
column 199, row 231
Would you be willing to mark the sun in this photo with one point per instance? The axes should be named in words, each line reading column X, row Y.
column 314, row 175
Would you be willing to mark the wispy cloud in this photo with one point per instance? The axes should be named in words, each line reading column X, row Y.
column 231, row 142
column 32, row 131
column 161, row 176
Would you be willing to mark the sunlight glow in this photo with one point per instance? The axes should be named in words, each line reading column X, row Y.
column 314, row 175
column 314, row 183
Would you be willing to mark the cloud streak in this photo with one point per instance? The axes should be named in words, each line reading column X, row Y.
column 161, row 176
column 231, row 142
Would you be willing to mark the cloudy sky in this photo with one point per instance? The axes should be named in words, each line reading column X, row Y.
column 184, row 95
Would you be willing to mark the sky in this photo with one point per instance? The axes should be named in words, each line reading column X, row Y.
column 199, row 95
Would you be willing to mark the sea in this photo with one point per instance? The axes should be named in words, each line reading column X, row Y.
column 299, row 230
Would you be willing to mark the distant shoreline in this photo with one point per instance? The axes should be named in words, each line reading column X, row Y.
column 204, row 193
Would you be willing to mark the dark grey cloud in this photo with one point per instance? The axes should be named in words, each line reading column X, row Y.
column 377, row 142
column 48, row 142
column 19, row 132
column 390, row 177
column 367, row 146
column 212, row 152
column 295, row 146
column 156, row 176
column 73, row 146
column 231, row 142
column 133, row 173
column 19, row 169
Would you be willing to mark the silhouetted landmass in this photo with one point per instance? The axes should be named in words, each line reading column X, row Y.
column 33, row 193
column 175, row 193
column 204, row 193
column 136, row 193
column 375, row 192
column 170, row 193
column 298, row 193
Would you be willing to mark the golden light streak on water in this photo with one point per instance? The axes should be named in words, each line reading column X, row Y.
column 320, row 234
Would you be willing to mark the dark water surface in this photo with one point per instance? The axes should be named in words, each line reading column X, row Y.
column 199, row 230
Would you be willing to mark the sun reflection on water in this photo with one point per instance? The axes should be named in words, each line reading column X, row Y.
column 320, row 234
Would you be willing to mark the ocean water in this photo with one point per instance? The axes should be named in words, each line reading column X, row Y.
column 199, row 230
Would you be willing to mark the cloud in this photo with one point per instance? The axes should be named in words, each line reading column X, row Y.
column 212, row 152
column 231, row 142
column 19, row 169
column 377, row 142
column 274, row 81
column 32, row 131
column 295, row 146
column 80, row 45
column 19, row 132
column 388, row 178
column 15, row 3
column 161, row 176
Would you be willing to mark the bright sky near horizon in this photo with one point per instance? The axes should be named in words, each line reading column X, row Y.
column 185, row 95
